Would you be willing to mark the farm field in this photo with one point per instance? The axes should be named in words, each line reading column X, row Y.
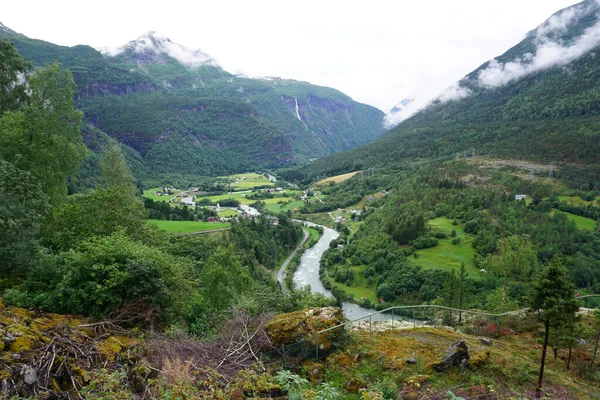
column 447, row 256
column 249, row 181
column 581, row 222
column 150, row 194
column 336, row 179
column 227, row 213
column 186, row 226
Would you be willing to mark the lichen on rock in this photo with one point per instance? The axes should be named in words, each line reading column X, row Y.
column 285, row 329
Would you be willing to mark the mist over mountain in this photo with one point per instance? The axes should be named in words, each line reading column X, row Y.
column 538, row 101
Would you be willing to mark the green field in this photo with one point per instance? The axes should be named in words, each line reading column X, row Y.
column 249, row 181
column 272, row 204
column 447, row 256
column 150, row 194
column 276, row 208
column 581, row 222
column 227, row 213
column 186, row 226
column 314, row 234
column 360, row 286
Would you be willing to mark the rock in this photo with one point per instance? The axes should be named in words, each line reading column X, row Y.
column 30, row 374
column 486, row 341
column 5, row 386
column 303, row 325
column 582, row 342
column 455, row 355
column 411, row 360
column 16, row 356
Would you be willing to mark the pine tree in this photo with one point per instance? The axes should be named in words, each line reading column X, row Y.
column 555, row 304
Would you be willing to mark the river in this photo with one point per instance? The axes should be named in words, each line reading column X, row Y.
column 307, row 274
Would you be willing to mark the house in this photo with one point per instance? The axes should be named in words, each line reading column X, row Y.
column 212, row 219
column 520, row 196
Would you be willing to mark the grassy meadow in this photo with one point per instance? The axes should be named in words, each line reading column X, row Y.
column 186, row 226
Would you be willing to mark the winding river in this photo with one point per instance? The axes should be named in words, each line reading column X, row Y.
column 307, row 274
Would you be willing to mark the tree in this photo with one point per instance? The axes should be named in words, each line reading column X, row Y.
column 450, row 288
column 554, row 302
column 13, row 69
column 223, row 279
column 462, row 289
column 516, row 258
column 42, row 137
column 22, row 209
column 113, row 206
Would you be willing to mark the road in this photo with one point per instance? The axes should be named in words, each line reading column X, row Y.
column 281, row 273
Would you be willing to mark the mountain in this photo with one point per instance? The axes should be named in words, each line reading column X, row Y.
column 538, row 101
column 183, row 113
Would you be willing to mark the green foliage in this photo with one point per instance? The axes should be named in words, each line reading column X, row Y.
column 43, row 137
column 22, row 210
column 103, row 274
column 12, row 91
column 113, row 206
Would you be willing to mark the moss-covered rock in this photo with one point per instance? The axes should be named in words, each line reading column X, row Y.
column 303, row 325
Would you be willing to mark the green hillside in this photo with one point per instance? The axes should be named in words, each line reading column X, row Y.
column 542, row 112
column 184, row 114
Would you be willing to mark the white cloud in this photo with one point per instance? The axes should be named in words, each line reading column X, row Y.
column 158, row 43
column 549, row 53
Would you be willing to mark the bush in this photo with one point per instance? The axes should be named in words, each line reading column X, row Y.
column 103, row 274
column 424, row 242
column 455, row 241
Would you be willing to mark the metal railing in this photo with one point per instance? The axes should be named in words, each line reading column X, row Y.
column 433, row 307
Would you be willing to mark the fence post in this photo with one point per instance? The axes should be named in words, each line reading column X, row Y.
column 284, row 357
column 317, row 348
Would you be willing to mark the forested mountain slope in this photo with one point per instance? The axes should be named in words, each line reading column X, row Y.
column 538, row 101
column 184, row 114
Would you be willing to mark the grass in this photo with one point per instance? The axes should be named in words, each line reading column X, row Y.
column 578, row 201
column 186, row 226
column 287, row 206
column 360, row 286
column 314, row 234
column 581, row 222
column 249, row 181
column 336, row 179
column 227, row 213
column 445, row 255
column 241, row 197
column 320, row 218
column 150, row 194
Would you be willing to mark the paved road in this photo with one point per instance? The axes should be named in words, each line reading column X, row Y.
column 281, row 273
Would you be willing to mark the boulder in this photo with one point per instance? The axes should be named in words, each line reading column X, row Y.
column 303, row 325
column 411, row 360
column 486, row 341
column 455, row 355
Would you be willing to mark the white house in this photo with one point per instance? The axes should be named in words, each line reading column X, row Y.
column 520, row 196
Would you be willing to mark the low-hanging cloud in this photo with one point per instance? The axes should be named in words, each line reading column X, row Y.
column 549, row 52
column 153, row 41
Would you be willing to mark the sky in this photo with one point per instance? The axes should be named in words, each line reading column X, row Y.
column 378, row 52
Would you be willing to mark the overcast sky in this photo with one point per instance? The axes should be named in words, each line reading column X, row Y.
column 378, row 52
